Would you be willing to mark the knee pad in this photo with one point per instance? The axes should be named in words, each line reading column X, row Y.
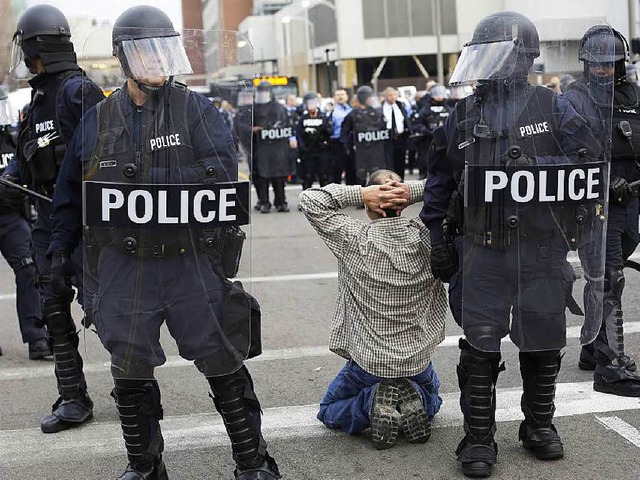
column 484, row 338
column 137, row 397
column 56, row 315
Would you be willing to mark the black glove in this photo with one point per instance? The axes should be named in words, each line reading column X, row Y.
column 61, row 273
column 621, row 192
column 14, row 197
column 444, row 261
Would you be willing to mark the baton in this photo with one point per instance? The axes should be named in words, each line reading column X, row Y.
column 24, row 190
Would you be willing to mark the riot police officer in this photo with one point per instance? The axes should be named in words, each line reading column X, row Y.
column 60, row 94
column 15, row 245
column 273, row 136
column 313, row 132
column 365, row 132
column 426, row 120
column 605, row 53
column 507, row 255
column 164, row 267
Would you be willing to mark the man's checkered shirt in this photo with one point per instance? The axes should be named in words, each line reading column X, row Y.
column 390, row 311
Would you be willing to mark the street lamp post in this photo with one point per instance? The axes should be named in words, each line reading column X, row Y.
column 311, row 3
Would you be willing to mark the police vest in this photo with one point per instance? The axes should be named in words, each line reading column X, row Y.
column 314, row 131
column 164, row 151
column 7, row 150
column 369, row 128
column 41, row 143
column 534, row 131
column 626, row 129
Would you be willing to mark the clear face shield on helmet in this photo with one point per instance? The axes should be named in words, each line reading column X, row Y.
column 263, row 96
column 5, row 112
column 17, row 67
column 485, row 61
column 312, row 104
column 156, row 58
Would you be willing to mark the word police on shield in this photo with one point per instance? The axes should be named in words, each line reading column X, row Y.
column 126, row 205
column 541, row 184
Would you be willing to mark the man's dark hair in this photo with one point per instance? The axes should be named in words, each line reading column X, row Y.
column 340, row 89
column 379, row 177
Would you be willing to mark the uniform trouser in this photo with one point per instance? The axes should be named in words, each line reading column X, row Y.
column 262, row 189
column 498, row 292
column 350, row 170
column 339, row 159
column 315, row 165
column 396, row 151
column 622, row 239
column 57, row 310
column 15, row 245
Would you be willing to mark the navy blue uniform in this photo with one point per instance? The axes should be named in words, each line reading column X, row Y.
column 312, row 133
column 168, row 286
column 540, row 265
column 16, row 248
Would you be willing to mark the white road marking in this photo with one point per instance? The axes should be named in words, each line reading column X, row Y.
column 22, row 373
column 206, row 430
column 290, row 278
column 622, row 428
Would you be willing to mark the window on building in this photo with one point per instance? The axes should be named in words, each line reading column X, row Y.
column 406, row 18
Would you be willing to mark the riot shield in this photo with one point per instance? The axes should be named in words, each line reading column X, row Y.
column 163, row 207
column 370, row 140
column 535, row 191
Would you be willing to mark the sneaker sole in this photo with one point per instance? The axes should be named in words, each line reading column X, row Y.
column 414, row 421
column 384, row 418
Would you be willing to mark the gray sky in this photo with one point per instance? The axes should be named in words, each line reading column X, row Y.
column 111, row 9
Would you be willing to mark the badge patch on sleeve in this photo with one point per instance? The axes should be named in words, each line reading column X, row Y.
column 109, row 163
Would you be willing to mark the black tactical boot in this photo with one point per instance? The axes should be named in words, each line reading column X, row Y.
column 282, row 208
column 477, row 375
column 414, row 421
column 385, row 418
column 614, row 371
column 265, row 207
column 235, row 401
column 139, row 408
column 539, row 372
column 39, row 349
column 74, row 406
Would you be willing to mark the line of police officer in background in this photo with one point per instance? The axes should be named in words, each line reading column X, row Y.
column 306, row 144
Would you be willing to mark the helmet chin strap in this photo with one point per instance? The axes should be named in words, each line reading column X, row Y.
column 152, row 89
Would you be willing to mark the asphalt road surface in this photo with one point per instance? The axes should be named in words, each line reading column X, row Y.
column 288, row 268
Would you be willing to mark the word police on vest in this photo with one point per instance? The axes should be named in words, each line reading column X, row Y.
column 5, row 158
column 544, row 184
column 45, row 126
column 376, row 136
column 130, row 205
column 276, row 133
column 165, row 141
column 534, row 129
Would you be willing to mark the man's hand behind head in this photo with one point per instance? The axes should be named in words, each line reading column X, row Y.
column 391, row 195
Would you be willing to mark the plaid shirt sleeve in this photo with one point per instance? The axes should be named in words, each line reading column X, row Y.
column 322, row 208
column 416, row 191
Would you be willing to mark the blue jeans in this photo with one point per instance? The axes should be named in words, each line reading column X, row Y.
column 348, row 401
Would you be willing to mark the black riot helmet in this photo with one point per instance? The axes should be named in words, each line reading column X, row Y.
column 43, row 32
column 602, row 45
column 263, row 93
column 507, row 42
column 363, row 94
column 148, row 47
column 311, row 101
